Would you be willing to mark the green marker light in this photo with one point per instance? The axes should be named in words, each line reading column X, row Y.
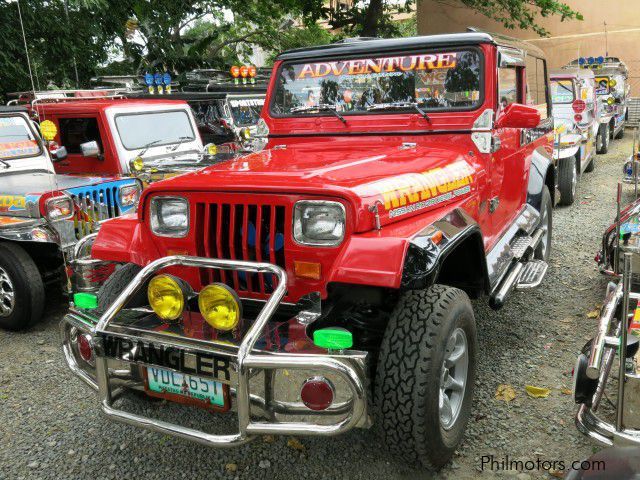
column 85, row 301
column 333, row 338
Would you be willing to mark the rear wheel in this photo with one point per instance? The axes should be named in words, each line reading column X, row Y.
column 21, row 289
column 426, row 375
column 592, row 164
column 620, row 133
column 568, row 179
column 602, row 140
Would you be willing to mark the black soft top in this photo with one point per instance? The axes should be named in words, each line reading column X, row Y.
column 378, row 45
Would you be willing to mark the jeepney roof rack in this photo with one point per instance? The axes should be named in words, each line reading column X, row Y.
column 215, row 80
column 56, row 96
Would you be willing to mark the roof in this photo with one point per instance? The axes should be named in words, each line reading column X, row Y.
column 572, row 72
column 202, row 96
column 13, row 109
column 100, row 105
column 366, row 46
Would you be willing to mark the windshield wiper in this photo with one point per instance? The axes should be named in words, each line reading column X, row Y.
column 148, row 146
column 180, row 141
column 399, row 106
column 4, row 164
column 322, row 107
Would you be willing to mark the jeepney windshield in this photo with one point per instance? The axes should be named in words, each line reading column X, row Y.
column 17, row 139
column 435, row 81
column 602, row 86
column 246, row 111
column 141, row 130
column 562, row 91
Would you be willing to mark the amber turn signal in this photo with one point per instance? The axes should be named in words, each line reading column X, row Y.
column 307, row 270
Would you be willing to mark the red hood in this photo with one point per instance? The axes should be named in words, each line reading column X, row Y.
column 406, row 180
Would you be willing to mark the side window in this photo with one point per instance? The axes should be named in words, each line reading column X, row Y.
column 537, row 85
column 507, row 86
column 76, row 131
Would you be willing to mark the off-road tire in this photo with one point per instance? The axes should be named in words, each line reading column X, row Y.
column 116, row 283
column 407, row 383
column 27, row 285
column 545, row 204
column 603, row 135
column 567, row 170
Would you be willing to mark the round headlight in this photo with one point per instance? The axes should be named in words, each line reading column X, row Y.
column 137, row 164
column 166, row 297
column 220, row 306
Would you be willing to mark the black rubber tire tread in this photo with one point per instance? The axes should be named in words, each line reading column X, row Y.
column 592, row 165
column 408, row 374
column 620, row 134
column 30, row 294
column 566, row 169
column 116, row 283
column 605, row 138
column 548, row 204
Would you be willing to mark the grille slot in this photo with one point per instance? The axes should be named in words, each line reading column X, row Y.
column 91, row 207
column 239, row 231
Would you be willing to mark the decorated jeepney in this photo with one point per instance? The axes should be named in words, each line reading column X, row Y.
column 44, row 215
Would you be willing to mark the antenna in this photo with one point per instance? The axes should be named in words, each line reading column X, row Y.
column 606, row 39
column 26, row 49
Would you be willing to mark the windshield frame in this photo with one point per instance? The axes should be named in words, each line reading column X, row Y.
column 559, row 80
column 153, row 112
column 231, row 98
column 36, row 136
column 420, row 50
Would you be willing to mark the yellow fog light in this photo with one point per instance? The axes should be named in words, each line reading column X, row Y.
column 220, row 306
column 612, row 83
column 611, row 100
column 166, row 297
column 245, row 133
column 137, row 164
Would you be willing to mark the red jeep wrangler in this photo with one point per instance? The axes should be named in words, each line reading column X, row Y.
column 324, row 283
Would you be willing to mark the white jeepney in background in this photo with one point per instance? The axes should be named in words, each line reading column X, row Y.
column 575, row 114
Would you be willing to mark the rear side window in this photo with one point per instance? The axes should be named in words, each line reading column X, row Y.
column 537, row 85
column 76, row 131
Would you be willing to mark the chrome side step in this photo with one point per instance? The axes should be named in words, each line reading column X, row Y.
column 524, row 272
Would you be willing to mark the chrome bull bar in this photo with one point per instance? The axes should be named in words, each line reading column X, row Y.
column 245, row 360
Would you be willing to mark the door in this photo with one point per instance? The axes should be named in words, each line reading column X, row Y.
column 507, row 163
column 72, row 133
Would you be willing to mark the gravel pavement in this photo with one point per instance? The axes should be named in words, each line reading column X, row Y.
column 50, row 426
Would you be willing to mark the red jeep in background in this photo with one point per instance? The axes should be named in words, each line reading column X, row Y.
column 324, row 283
column 149, row 139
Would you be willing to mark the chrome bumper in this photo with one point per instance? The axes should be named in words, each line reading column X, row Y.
column 110, row 380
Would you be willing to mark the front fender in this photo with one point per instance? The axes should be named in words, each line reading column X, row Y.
column 20, row 229
column 123, row 240
column 542, row 173
column 560, row 153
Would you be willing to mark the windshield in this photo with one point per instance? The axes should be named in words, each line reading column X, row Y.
column 434, row 81
column 139, row 130
column 17, row 139
column 562, row 91
column 246, row 111
column 602, row 86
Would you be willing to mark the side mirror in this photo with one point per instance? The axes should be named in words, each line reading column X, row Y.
column 517, row 115
column 90, row 149
column 60, row 154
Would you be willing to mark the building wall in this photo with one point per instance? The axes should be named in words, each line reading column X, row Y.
column 568, row 40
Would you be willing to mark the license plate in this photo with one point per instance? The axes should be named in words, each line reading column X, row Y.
column 196, row 390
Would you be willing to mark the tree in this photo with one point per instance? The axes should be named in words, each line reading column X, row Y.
column 375, row 17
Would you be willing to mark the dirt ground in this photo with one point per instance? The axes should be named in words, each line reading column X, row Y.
column 50, row 426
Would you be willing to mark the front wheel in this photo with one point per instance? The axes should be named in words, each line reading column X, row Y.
column 426, row 375
column 546, row 225
column 21, row 289
column 602, row 140
column 568, row 179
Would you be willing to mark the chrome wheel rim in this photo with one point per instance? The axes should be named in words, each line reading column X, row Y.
column 7, row 294
column 453, row 378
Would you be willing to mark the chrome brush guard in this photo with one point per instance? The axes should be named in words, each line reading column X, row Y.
column 244, row 359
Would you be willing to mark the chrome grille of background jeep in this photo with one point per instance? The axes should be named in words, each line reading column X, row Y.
column 220, row 233
column 93, row 206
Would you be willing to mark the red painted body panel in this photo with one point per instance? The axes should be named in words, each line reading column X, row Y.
column 313, row 157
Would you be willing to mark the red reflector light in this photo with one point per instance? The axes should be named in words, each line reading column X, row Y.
column 579, row 106
column 317, row 393
column 85, row 349
column 577, row 117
